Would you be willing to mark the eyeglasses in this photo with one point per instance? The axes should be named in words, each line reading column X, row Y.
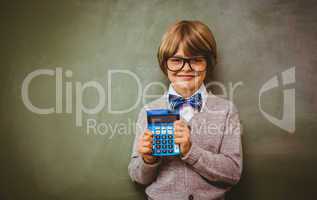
column 196, row 63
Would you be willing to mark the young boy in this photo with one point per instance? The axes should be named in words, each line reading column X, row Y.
column 208, row 133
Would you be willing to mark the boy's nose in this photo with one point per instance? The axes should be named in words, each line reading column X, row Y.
column 187, row 67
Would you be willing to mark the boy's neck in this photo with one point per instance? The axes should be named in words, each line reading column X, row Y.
column 185, row 92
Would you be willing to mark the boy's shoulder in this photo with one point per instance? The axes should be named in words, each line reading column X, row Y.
column 217, row 102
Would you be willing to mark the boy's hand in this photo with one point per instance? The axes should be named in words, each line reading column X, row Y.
column 182, row 136
column 145, row 147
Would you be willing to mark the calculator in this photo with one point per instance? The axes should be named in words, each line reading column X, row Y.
column 161, row 124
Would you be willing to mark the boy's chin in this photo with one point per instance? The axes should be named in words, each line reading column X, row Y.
column 184, row 84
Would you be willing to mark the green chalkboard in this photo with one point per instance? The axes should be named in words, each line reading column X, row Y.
column 82, row 51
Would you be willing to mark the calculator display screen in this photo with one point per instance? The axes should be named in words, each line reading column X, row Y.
column 162, row 119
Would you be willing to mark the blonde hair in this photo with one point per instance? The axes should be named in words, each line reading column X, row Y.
column 194, row 37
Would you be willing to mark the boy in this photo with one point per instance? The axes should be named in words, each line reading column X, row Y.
column 208, row 133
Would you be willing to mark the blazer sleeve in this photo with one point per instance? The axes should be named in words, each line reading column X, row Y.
column 139, row 171
column 226, row 165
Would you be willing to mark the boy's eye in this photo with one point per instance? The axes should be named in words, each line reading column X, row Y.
column 198, row 60
column 176, row 60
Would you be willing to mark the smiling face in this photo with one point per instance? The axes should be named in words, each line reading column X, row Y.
column 186, row 81
column 181, row 43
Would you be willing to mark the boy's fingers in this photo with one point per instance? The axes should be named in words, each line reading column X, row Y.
column 185, row 126
column 146, row 150
column 179, row 140
column 178, row 122
column 178, row 134
column 179, row 129
column 147, row 144
column 148, row 132
column 144, row 139
column 181, row 122
column 179, row 126
column 147, row 138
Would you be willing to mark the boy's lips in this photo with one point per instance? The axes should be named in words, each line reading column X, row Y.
column 186, row 76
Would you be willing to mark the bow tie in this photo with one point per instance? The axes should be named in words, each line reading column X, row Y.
column 194, row 101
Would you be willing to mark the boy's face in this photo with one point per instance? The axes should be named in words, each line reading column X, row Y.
column 186, row 79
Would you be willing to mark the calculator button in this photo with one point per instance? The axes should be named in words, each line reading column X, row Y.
column 158, row 151
column 158, row 146
column 164, row 141
column 164, row 146
column 170, row 151
column 170, row 146
column 157, row 137
column 164, row 151
column 163, row 136
column 157, row 141
column 170, row 141
column 170, row 136
column 170, row 132
column 157, row 132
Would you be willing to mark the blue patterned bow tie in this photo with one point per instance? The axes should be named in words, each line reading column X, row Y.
column 194, row 101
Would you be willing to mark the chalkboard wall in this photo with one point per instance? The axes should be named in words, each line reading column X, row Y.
column 80, row 52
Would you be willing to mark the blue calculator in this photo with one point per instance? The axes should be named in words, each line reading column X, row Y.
column 160, row 123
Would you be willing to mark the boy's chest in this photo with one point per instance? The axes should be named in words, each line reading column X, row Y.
column 207, row 130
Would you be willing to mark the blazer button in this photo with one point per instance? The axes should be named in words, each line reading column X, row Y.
column 191, row 197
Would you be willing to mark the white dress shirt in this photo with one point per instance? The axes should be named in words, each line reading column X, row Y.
column 186, row 111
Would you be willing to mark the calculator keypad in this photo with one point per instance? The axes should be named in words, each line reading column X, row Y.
column 163, row 140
